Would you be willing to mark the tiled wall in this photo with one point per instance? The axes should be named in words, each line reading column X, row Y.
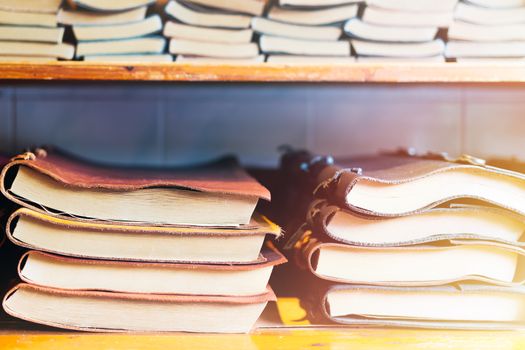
column 173, row 124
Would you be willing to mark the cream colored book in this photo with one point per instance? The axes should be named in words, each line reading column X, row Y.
column 80, row 17
column 34, row 6
column 385, row 17
column 252, row 7
column 401, row 60
column 316, row 3
column 415, row 5
column 210, row 49
column 27, row 59
column 13, row 48
column 473, row 49
column 460, row 30
column 113, row 5
column 34, row 34
column 215, row 35
column 356, row 28
column 130, row 58
column 150, row 25
column 275, row 28
column 28, row 19
column 215, row 60
column 309, row 60
column 413, row 50
column 489, row 16
column 314, row 17
column 276, row 45
column 146, row 45
column 188, row 15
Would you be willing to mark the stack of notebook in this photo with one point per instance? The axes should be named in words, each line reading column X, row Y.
column 115, row 30
column 398, row 240
column 306, row 31
column 392, row 30
column 485, row 30
column 29, row 31
column 138, row 250
column 213, row 31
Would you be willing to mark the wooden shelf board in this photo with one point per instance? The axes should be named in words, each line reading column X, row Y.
column 351, row 73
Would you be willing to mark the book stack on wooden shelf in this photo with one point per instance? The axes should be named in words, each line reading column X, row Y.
column 138, row 250
column 306, row 31
column 29, row 31
column 383, row 247
column 391, row 30
column 487, row 30
column 115, row 31
column 213, row 31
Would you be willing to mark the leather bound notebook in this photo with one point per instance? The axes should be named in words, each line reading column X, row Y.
column 122, row 312
column 215, row 194
column 119, row 241
column 55, row 271
column 458, row 306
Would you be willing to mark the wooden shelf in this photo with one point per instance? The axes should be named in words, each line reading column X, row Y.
column 351, row 73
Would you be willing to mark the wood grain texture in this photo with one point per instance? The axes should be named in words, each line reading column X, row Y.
column 351, row 73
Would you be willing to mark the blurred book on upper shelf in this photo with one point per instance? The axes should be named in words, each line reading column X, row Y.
column 217, row 194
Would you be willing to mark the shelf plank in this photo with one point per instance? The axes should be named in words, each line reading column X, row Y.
column 351, row 73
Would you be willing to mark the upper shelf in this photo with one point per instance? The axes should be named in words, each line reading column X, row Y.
column 350, row 73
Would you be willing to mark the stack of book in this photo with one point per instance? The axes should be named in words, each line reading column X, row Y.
column 385, row 248
column 306, row 31
column 211, row 31
column 115, row 30
column 485, row 30
column 391, row 30
column 138, row 250
column 29, row 31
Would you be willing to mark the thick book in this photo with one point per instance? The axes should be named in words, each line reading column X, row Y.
column 30, row 33
column 213, row 49
column 458, row 306
column 217, row 60
column 459, row 30
column 400, row 183
column 214, row 35
column 55, row 271
column 356, row 28
column 277, row 45
column 309, row 60
column 316, row 3
column 485, row 49
column 28, row 19
column 489, row 16
column 80, row 17
column 18, row 59
column 415, row 5
column 113, row 5
column 386, row 17
column 148, row 26
column 295, row 31
column 322, row 16
column 251, row 7
column 191, row 16
column 430, row 49
column 14, row 48
column 216, row 194
column 35, row 6
column 152, row 58
column 89, row 239
column 457, row 222
column 142, row 45
column 130, row 312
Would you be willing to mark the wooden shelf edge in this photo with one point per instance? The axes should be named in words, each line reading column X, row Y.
column 348, row 73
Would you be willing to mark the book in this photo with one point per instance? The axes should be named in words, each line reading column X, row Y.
column 28, row 19
column 459, row 30
column 141, row 45
column 269, row 27
column 113, row 5
column 19, row 59
column 79, row 17
column 397, row 184
column 401, row 60
column 34, row 34
column 215, row 35
column 251, row 7
column 386, row 17
column 309, row 60
column 51, row 182
column 13, row 48
column 415, row 5
column 356, row 28
column 103, row 311
column 458, row 306
column 489, row 16
column 316, row 3
column 478, row 49
column 277, row 45
column 216, row 60
column 59, row 272
column 321, row 16
column 399, row 50
column 415, row 265
column 213, row 49
column 34, row 6
column 498, row 3
column 130, row 58
column 187, row 15
column 118, row 241
column 150, row 25
column 457, row 222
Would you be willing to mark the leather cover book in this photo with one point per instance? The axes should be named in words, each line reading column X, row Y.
column 122, row 312
column 223, row 181
column 121, row 241
column 55, row 271
column 457, row 306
